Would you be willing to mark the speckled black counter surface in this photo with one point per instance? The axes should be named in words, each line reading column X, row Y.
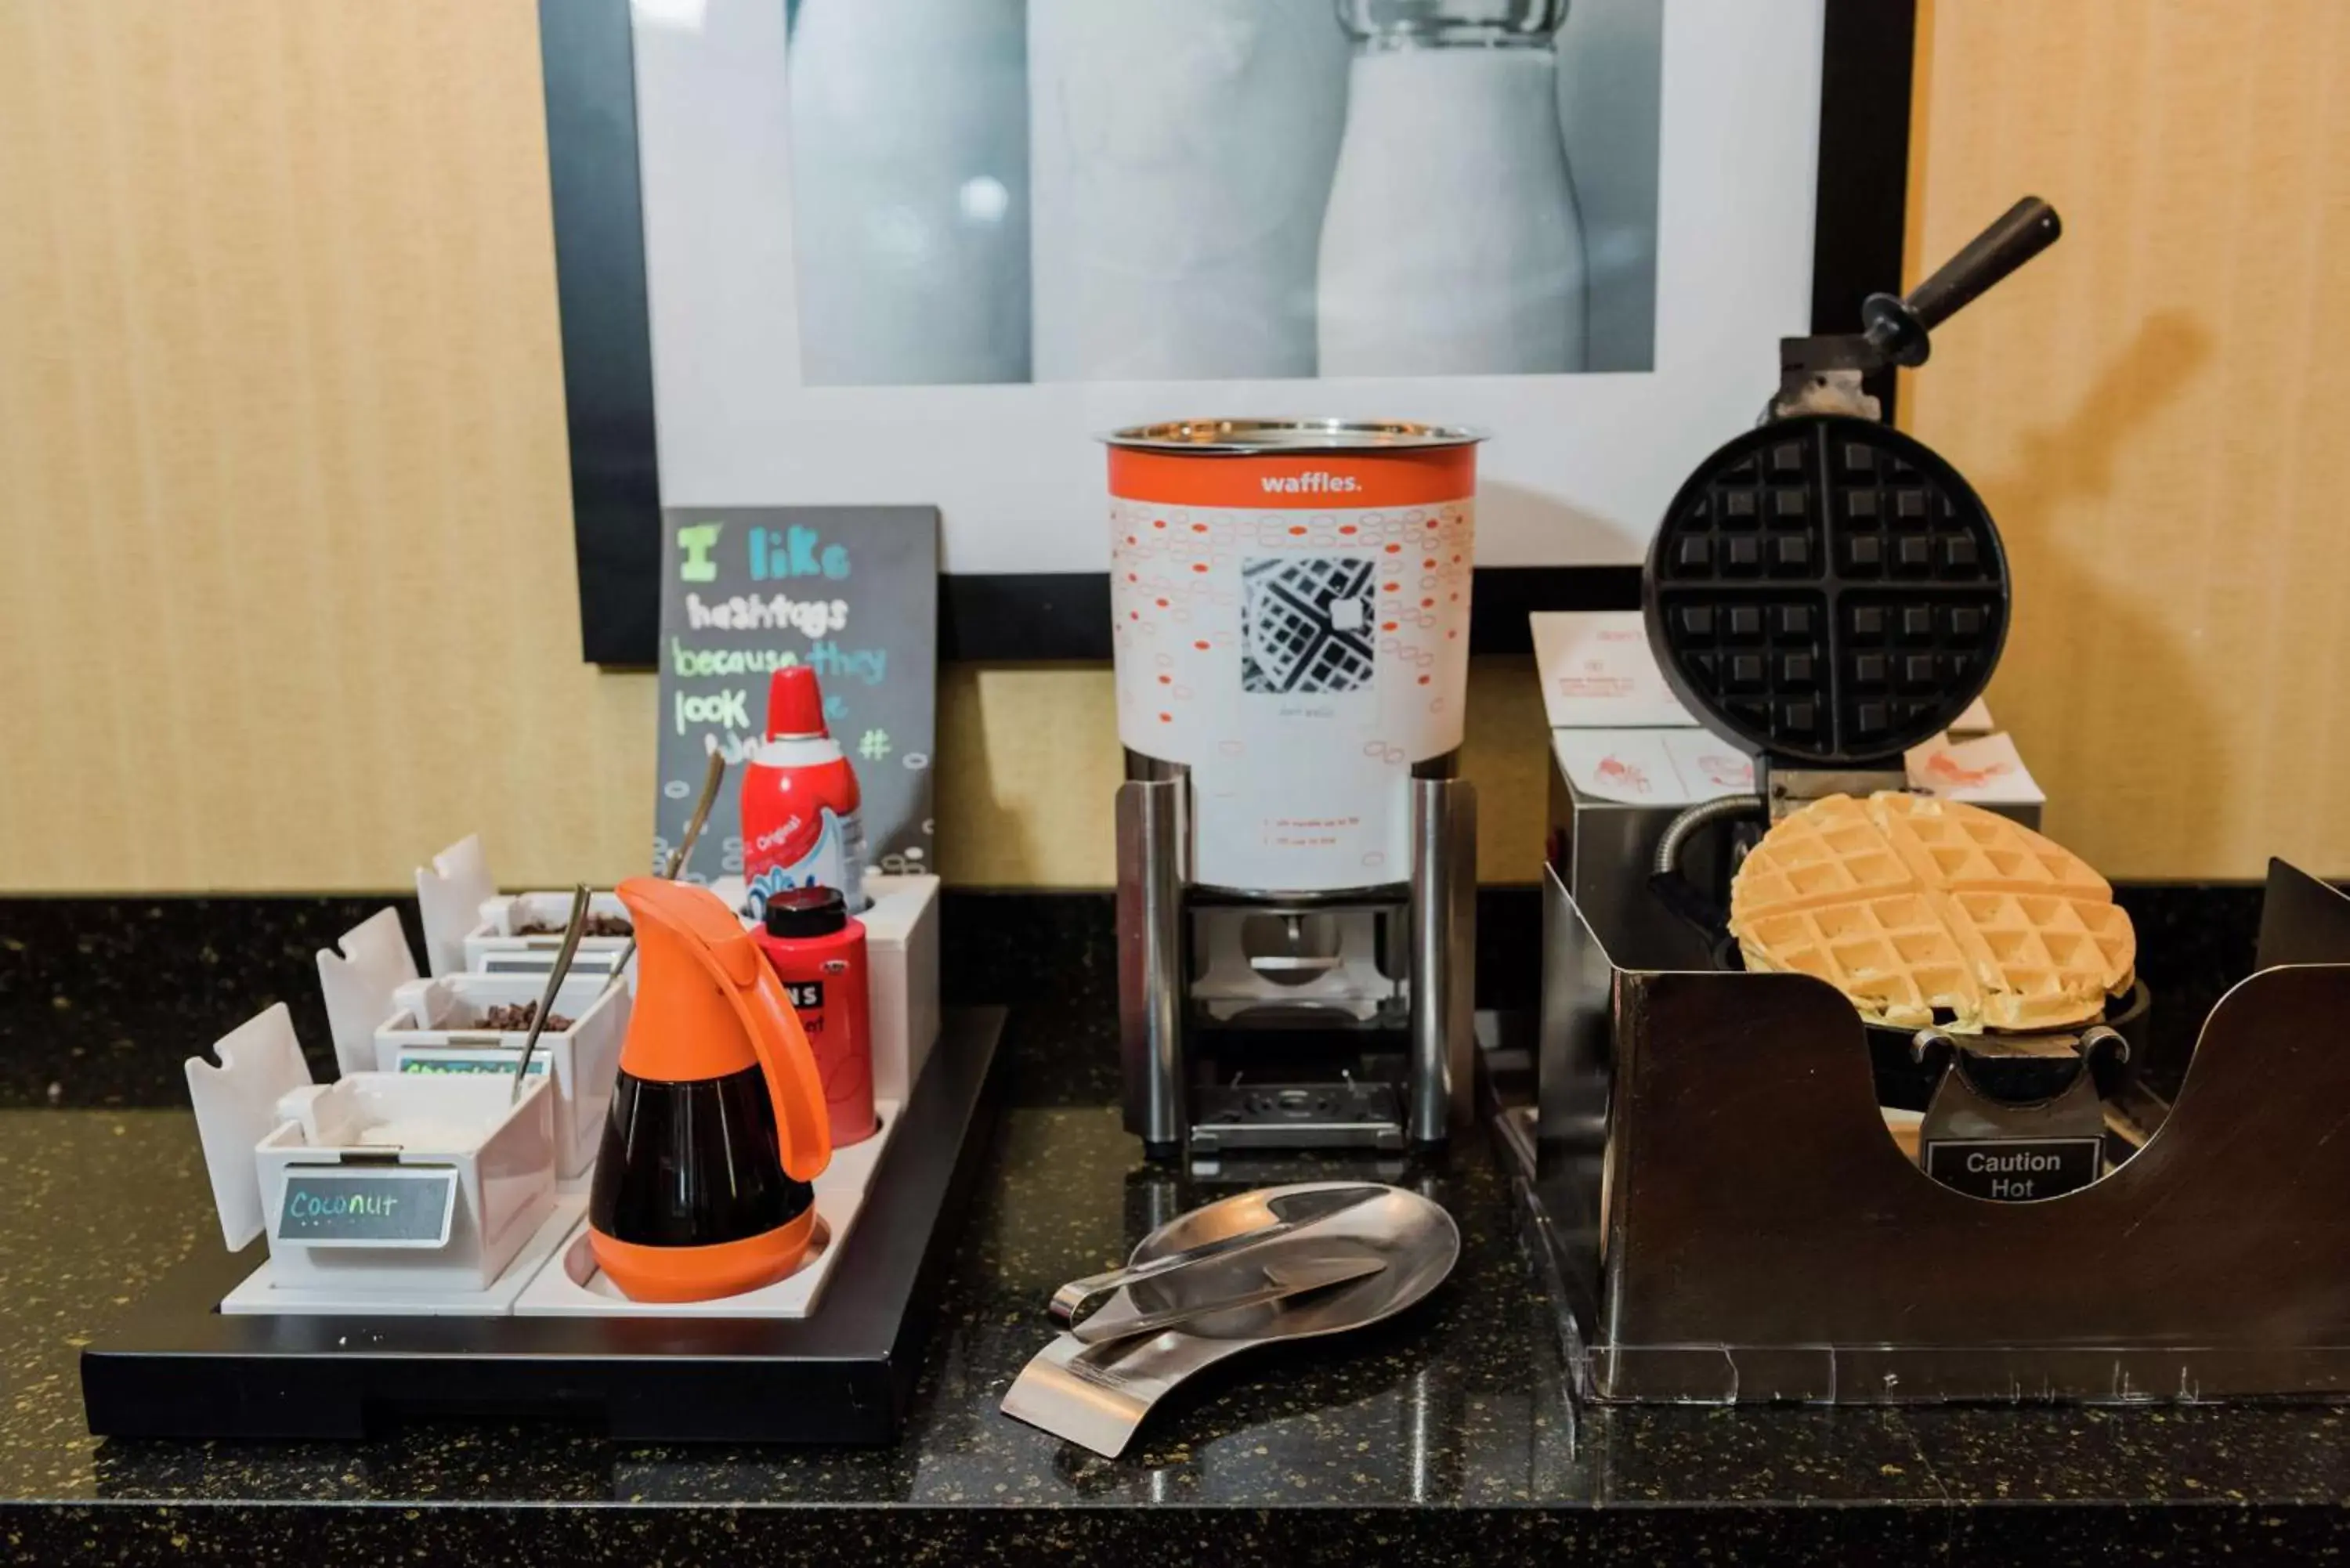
column 1444, row 1435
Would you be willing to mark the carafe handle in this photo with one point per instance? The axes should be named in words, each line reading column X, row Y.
column 695, row 921
column 803, row 1128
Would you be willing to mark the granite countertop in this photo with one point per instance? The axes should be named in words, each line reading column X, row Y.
column 1443, row 1432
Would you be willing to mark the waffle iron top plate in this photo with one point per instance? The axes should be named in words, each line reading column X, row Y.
column 1825, row 590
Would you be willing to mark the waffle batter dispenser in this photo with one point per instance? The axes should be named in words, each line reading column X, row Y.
column 1296, row 857
column 1712, row 1188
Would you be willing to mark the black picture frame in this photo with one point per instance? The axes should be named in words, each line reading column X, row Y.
column 587, row 60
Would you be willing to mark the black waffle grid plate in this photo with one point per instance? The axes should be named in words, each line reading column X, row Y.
column 1826, row 590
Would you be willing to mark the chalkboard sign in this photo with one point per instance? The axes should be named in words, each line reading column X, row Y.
column 380, row 1206
column 850, row 591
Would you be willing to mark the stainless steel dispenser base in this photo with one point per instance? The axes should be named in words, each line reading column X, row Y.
column 1726, row 1219
column 1176, row 1106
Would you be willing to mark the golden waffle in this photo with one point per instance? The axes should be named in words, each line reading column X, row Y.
column 1927, row 911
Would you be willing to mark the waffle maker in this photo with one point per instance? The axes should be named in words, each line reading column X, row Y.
column 1827, row 592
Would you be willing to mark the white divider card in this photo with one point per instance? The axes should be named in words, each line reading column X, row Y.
column 1710, row 767
column 1652, row 767
column 377, row 1206
column 850, row 591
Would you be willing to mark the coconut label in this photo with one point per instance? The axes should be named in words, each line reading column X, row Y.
column 396, row 1206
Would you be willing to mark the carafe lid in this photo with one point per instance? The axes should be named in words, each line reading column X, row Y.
column 805, row 912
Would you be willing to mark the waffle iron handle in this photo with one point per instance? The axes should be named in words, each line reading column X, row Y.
column 1897, row 328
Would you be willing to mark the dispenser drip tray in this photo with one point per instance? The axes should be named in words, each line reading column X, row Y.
column 1337, row 1114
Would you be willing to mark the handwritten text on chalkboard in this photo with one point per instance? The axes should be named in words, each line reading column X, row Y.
column 851, row 592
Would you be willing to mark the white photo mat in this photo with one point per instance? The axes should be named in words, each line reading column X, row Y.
column 1578, row 468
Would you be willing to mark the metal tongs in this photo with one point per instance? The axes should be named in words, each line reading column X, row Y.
column 1292, row 1212
column 1228, row 1280
column 1281, row 1280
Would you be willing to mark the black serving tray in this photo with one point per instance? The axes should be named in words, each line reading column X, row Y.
column 178, row 1367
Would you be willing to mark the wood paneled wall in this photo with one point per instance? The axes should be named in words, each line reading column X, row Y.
column 2155, row 409
column 285, row 595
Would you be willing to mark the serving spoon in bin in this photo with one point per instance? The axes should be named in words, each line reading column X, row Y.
column 554, row 979
column 1287, row 1209
column 711, row 777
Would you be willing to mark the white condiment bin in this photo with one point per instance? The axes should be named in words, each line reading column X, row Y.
column 263, row 1123
column 470, row 927
column 434, row 1030
column 496, row 945
column 500, row 1148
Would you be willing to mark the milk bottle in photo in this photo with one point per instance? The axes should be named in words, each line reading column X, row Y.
column 910, row 169
column 1451, row 246
column 1182, row 158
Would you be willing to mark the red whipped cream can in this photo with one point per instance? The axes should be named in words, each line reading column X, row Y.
column 817, row 950
column 800, row 822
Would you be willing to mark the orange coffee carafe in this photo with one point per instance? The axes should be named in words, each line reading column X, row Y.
column 718, row 1121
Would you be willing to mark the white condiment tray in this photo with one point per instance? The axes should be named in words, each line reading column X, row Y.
column 538, row 1263
column 267, row 1290
column 465, row 925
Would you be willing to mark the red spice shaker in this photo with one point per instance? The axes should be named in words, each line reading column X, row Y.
column 817, row 950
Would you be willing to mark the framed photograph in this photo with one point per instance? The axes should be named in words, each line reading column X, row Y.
column 924, row 251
